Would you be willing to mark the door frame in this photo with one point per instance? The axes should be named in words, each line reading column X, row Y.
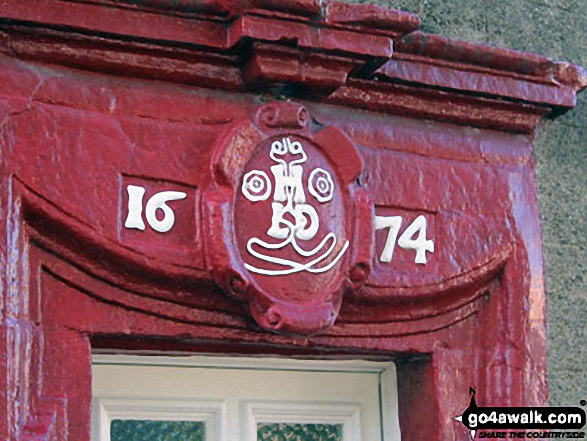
column 107, row 409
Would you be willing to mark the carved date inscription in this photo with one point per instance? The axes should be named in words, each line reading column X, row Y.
column 160, row 218
column 158, row 201
column 257, row 186
column 406, row 241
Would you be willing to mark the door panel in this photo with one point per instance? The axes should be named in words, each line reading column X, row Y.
column 230, row 399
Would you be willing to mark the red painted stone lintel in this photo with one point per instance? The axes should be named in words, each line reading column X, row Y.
column 299, row 48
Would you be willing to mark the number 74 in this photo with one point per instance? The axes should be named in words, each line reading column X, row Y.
column 406, row 240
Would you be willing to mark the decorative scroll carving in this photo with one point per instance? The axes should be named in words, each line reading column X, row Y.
column 287, row 238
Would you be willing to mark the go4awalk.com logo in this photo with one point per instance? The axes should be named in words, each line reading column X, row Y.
column 523, row 422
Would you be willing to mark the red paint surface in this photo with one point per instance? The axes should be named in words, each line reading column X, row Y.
column 84, row 113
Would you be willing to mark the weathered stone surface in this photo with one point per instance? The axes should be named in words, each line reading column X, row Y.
column 554, row 28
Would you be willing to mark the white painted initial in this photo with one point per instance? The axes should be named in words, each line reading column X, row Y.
column 292, row 218
column 288, row 183
column 290, row 190
column 301, row 213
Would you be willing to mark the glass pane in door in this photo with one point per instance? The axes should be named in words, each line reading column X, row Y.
column 143, row 430
column 299, row 432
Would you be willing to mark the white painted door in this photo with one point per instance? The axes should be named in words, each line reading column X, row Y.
column 242, row 399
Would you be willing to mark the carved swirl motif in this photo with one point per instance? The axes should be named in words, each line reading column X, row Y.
column 302, row 222
column 321, row 185
column 256, row 186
